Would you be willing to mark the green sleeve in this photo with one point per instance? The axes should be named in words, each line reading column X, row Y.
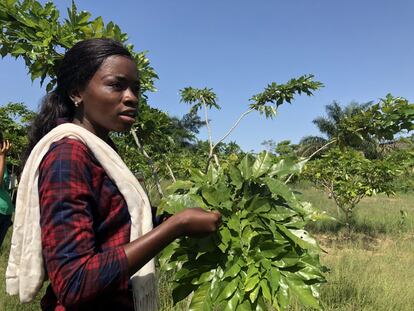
column 6, row 180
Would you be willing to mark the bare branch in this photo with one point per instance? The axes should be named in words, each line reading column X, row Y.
column 233, row 127
column 150, row 163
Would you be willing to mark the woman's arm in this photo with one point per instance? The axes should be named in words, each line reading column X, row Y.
column 191, row 222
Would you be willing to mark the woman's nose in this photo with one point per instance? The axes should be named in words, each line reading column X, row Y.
column 130, row 96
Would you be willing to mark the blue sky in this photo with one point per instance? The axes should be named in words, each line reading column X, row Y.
column 360, row 50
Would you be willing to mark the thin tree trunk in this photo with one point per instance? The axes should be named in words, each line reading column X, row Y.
column 347, row 224
column 170, row 171
column 150, row 163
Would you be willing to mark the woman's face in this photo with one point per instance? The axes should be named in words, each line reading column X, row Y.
column 110, row 99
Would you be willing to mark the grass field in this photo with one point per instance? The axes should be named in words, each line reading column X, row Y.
column 371, row 271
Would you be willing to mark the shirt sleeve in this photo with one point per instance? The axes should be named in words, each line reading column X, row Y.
column 77, row 269
column 6, row 179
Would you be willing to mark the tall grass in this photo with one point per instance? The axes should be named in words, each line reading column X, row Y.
column 374, row 279
column 371, row 271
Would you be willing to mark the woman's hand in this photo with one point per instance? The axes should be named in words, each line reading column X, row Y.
column 197, row 222
column 5, row 148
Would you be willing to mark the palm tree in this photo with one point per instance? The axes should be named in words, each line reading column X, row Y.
column 308, row 145
column 330, row 126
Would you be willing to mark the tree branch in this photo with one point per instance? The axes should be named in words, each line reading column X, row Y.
column 233, row 127
column 170, row 171
column 150, row 163
column 208, row 125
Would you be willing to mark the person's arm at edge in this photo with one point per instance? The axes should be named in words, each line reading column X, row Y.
column 3, row 152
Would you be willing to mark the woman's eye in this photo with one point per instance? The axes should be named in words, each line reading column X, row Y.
column 136, row 89
column 116, row 85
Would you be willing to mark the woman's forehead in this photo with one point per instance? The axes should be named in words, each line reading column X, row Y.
column 118, row 65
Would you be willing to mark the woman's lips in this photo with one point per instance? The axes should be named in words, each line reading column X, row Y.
column 127, row 118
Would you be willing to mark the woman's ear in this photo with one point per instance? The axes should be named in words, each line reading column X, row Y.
column 76, row 97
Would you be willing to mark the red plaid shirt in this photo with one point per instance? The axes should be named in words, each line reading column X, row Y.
column 84, row 221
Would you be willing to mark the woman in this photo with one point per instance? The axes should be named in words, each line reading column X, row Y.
column 6, row 206
column 84, row 218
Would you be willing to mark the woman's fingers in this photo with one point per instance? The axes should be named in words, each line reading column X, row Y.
column 199, row 222
column 5, row 147
column 8, row 145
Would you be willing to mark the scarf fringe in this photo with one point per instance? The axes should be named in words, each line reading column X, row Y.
column 146, row 293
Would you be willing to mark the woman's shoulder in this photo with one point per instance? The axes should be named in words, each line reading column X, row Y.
column 68, row 149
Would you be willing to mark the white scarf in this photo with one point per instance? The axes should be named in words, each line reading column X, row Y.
column 25, row 271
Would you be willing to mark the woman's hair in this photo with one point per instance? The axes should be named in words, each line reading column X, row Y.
column 75, row 70
column 1, row 139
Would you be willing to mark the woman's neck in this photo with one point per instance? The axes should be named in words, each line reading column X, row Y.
column 95, row 129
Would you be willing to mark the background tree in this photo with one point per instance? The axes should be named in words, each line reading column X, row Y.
column 269, row 144
column 346, row 173
column 285, row 149
column 37, row 34
column 330, row 126
column 14, row 121
column 347, row 176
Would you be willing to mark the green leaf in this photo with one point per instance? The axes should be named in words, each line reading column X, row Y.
column 251, row 271
column 201, row 300
column 166, row 256
column 233, row 270
column 212, row 174
column 262, row 164
column 310, row 273
column 179, row 185
column 286, row 167
column 204, row 277
column 261, row 305
column 279, row 213
column 274, row 280
column 225, row 236
column 251, row 283
column 299, row 237
column 305, row 236
column 266, row 290
column 302, row 291
column 259, row 205
column 229, row 289
column 271, row 250
column 234, row 224
column 278, row 188
column 248, row 234
column 245, row 166
column 177, row 202
column 181, row 291
column 235, row 176
column 215, row 196
column 244, row 306
column 283, row 296
column 254, row 293
column 233, row 302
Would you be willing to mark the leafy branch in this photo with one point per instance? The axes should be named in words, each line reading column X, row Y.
column 261, row 255
column 265, row 102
